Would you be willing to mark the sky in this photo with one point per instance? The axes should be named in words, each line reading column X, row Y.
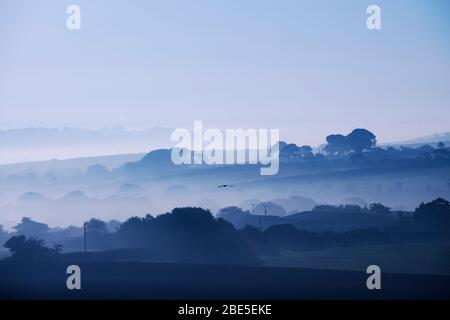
column 308, row 68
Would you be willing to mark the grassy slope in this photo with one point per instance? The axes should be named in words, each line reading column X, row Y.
column 419, row 258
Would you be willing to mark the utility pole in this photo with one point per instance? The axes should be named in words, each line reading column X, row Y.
column 84, row 233
column 253, row 208
column 260, row 225
column 265, row 209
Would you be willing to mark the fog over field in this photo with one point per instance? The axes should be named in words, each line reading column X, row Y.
column 224, row 149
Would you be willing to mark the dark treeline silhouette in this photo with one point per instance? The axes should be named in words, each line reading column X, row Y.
column 359, row 147
column 356, row 141
column 183, row 235
column 194, row 235
column 22, row 248
column 429, row 222
column 319, row 218
column 363, row 144
column 189, row 235
column 374, row 208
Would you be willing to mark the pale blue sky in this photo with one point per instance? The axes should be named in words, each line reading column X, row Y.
column 309, row 68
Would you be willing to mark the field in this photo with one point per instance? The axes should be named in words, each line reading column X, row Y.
column 418, row 258
column 4, row 253
column 139, row 280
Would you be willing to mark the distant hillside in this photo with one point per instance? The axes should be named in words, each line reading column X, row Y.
column 429, row 139
column 37, row 144
column 110, row 161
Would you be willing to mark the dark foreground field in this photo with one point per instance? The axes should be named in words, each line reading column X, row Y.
column 128, row 280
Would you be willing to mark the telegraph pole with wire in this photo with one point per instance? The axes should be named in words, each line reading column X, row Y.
column 260, row 225
column 253, row 208
column 84, row 234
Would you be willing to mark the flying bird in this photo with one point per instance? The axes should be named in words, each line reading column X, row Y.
column 225, row 186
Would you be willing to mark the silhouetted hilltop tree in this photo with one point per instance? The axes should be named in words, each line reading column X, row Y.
column 113, row 226
column 157, row 162
column 306, row 151
column 348, row 208
column 433, row 215
column 131, row 189
column 379, row 209
column 270, row 208
column 187, row 235
column 423, row 152
column 292, row 152
column 355, row 201
column 29, row 249
column 374, row 208
column 29, row 227
column 232, row 214
column 441, row 152
column 337, row 144
column 361, row 139
column 75, row 196
column 32, row 197
column 96, row 226
column 357, row 141
column 98, row 236
column 295, row 203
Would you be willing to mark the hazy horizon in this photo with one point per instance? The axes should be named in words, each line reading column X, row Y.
column 309, row 69
column 26, row 145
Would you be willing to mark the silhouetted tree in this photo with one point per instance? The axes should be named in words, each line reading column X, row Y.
column 293, row 152
column 358, row 140
column 187, row 234
column 29, row 227
column 379, row 209
column 306, row 151
column 347, row 208
column 434, row 214
column 337, row 144
column 96, row 226
column 31, row 248
column 361, row 139
column 441, row 152
column 232, row 214
column 270, row 208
